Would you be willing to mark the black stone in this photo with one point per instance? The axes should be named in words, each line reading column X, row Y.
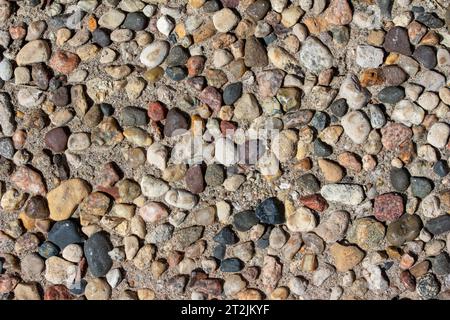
column 308, row 184
column 441, row 168
column 232, row 92
column 219, row 251
column 96, row 250
column 400, row 179
column 270, row 211
column 177, row 56
column 438, row 225
column 321, row 149
column 101, row 37
column 244, row 220
column 231, row 265
column 48, row 249
column 391, row 95
column 426, row 56
column 176, row 73
column 263, row 242
column 133, row 116
column 270, row 38
column 107, row 109
column 320, row 121
column 430, row 20
column 441, row 264
column 177, row 122
column 428, row 286
column 258, row 9
column 421, row 187
column 226, row 236
column 64, row 233
column 339, row 107
column 135, row 21
column 78, row 287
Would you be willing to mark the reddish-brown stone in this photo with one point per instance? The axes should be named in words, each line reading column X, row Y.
column 394, row 134
column 212, row 97
column 314, row 202
column 194, row 179
column 57, row 292
column 108, row 176
column 227, row 127
column 28, row 180
column 388, row 207
column 195, row 65
column 64, row 62
column 156, row 111
column 408, row 280
column 174, row 258
column 56, row 139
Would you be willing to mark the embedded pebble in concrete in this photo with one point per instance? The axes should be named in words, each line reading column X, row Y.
column 269, row 149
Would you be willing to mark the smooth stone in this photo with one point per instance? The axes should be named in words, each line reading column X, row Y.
column 438, row 225
column 391, row 95
column 270, row 211
column 64, row 233
column 96, row 250
column 421, row 187
column 355, row 95
column 400, row 179
column 232, row 93
column 231, row 265
column 154, row 54
column 35, row 51
column 135, row 21
column 226, row 236
column 245, row 220
column 339, row 107
column 356, row 126
column 407, row 228
column 426, row 56
column 349, row 194
column 315, row 56
column 397, row 40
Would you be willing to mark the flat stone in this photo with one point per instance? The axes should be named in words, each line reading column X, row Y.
column 345, row 257
column 154, row 54
column 35, row 51
column 350, row 194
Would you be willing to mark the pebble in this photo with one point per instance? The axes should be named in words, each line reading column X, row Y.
column 270, row 211
column 400, row 179
column 97, row 289
column 421, row 186
column 60, row 271
column 428, row 286
column 345, row 257
column 356, row 126
column 355, row 95
column 405, row 229
column 226, row 236
column 154, row 54
column 180, row 199
column 397, row 40
column 368, row 56
column 350, row 194
column 315, row 56
column 438, row 225
column 367, row 233
column 73, row 253
column 64, row 233
column 35, row 51
column 231, row 265
column 96, row 250
column 334, row 227
column 176, row 123
column 438, row 134
column 63, row 200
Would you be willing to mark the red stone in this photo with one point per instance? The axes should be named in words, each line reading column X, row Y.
column 64, row 62
column 314, row 202
column 195, row 65
column 156, row 111
column 208, row 286
column 227, row 127
column 174, row 258
column 388, row 207
column 408, row 280
column 394, row 134
column 28, row 180
column 212, row 97
column 57, row 292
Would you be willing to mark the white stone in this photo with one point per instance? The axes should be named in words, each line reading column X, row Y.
column 165, row 25
column 112, row 19
column 408, row 113
column 438, row 134
column 315, row 56
column 349, row 194
column 157, row 155
column 181, row 199
column 152, row 187
column 114, row 277
column 429, row 100
column 73, row 253
column 303, row 220
column 224, row 20
column 154, row 54
column 352, row 91
column 356, row 126
column 368, row 56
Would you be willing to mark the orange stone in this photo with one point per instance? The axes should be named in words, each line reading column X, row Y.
column 371, row 77
column 92, row 23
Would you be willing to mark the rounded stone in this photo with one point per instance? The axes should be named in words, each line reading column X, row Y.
column 214, row 175
column 391, row 95
column 245, row 220
column 400, row 179
column 388, row 207
column 56, row 139
column 96, row 250
column 270, row 211
column 407, row 228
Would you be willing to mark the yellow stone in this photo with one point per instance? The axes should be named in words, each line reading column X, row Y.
column 28, row 223
column 345, row 257
column 392, row 58
column 146, row 294
column 180, row 30
column 196, row 4
column 153, row 75
column 64, row 199
column 249, row 294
